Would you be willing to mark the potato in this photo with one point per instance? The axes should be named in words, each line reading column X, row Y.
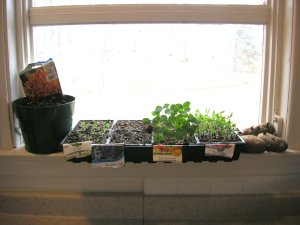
column 264, row 127
column 273, row 143
column 253, row 144
column 267, row 128
column 251, row 131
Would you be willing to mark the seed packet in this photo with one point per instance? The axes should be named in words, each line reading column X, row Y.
column 108, row 155
column 224, row 150
column 40, row 80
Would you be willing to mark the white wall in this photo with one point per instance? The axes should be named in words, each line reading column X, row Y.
column 268, row 173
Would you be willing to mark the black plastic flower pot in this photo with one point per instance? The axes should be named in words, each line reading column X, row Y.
column 44, row 127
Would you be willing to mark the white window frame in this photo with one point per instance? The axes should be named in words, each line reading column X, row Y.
column 144, row 13
column 269, row 15
column 272, row 102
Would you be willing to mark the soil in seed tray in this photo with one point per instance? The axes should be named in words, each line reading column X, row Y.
column 173, row 141
column 96, row 131
column 130, row 132
column 216, row 138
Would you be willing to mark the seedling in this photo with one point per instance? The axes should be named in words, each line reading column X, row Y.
column 172, row 124
column 215, row 127
column 90, row 130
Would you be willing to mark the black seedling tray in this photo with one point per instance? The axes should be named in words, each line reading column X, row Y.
column 138, row 153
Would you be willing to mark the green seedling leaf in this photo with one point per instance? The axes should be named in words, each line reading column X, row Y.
column 146, row 121
column 168, row 111
column 166, row 106
column 173, row 123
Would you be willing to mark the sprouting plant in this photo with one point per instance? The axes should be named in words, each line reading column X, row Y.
column 172, row 123
column 215, row 125
column 90, row 130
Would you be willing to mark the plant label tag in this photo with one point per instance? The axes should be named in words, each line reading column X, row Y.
column 167, row 153
column 224, row 150
column 108, row 155
column 77, row 150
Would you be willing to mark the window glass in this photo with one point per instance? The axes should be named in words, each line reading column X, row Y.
column 38, row 3
column 125, row 70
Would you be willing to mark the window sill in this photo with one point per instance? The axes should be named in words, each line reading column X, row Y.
column 22, row 152
column 251, row 174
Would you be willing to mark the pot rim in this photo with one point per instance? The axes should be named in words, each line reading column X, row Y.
column 20, row 103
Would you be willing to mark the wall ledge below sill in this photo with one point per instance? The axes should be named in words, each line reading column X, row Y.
column 267, row 173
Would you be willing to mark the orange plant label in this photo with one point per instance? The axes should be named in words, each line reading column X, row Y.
column 167, row 153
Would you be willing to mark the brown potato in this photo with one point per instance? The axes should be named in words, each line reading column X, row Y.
column 261, row 128
column 251, row 131
column 273, row 143
column 253, row 144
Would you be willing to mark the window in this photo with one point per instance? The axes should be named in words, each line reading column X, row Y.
column 156, row 63
column 123, row 68
column 206, row 44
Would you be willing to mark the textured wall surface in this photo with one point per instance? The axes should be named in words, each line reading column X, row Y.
column 134, row 208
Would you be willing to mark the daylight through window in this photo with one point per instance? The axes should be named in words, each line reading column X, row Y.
column 125, row 70
column 122, row 71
